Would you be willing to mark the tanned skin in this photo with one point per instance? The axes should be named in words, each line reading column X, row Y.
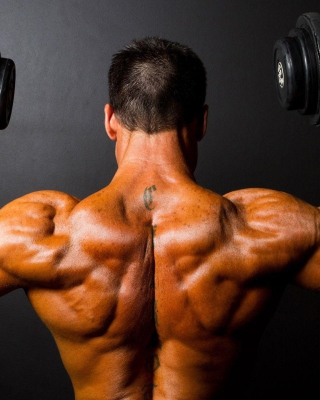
column 155, row 288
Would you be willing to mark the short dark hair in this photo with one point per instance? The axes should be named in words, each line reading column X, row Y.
column 156, row 85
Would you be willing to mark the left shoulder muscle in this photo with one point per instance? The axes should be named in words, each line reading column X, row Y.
column 33, row 236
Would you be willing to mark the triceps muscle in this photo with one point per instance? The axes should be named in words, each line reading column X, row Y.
column 8, row 283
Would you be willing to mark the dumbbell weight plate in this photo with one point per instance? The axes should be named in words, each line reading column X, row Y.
column 7, row 86
column 311, row 23
column 310, row 70
column 289, row 73
column 297, row 67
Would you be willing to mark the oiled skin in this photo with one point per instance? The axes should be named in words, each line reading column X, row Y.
column 155, row 288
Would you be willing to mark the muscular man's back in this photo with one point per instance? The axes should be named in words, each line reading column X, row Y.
column 155, row 288
column 137, row 318
column 144, row 287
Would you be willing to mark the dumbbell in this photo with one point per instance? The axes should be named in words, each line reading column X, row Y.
column 297, row 67
column 7, row 85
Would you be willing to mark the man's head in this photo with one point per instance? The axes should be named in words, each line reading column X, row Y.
column 156, row 85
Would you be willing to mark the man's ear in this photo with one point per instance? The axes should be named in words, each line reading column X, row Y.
column 203, row 123
column 111, row 122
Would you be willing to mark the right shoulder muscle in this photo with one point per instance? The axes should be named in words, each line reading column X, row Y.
column 277, row 230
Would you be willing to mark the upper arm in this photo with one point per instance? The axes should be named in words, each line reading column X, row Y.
column 33, row 238
column 279, row 233
column 309, row 275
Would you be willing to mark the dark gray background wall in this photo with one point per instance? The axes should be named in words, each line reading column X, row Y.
column 56, row 140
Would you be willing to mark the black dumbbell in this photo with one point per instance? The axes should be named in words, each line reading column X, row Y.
column 7, row 85
column 297, row 67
